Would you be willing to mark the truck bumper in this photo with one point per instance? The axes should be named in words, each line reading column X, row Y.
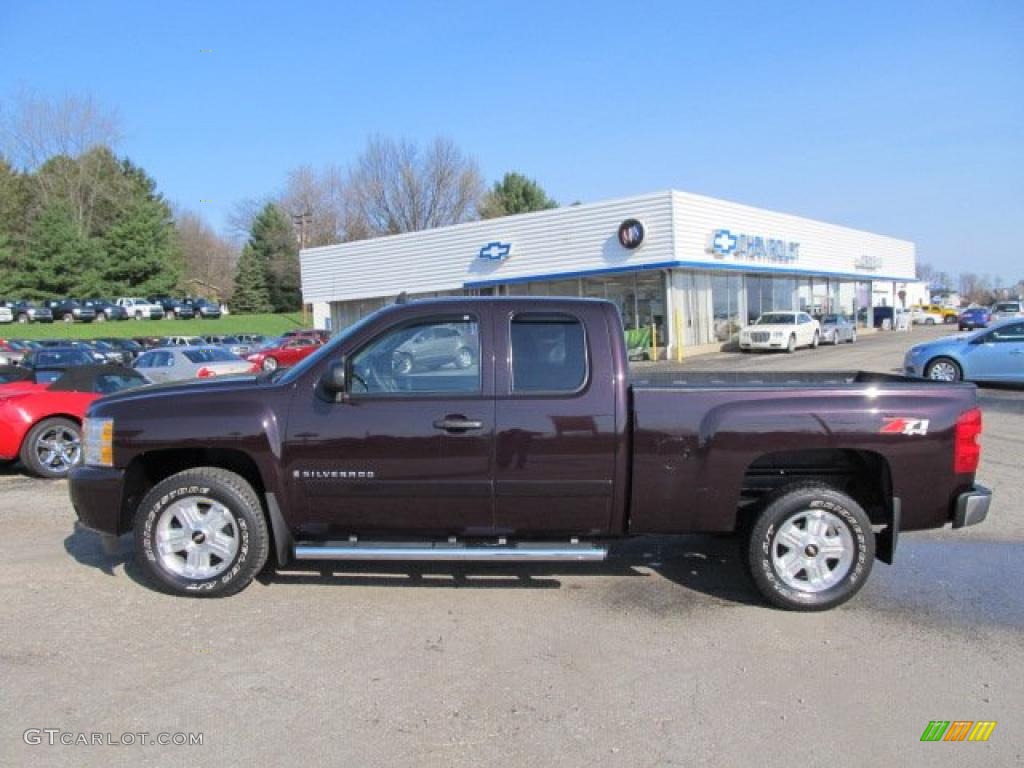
column 96, row 495
column 972, row 507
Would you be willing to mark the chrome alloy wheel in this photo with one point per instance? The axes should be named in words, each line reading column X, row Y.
column 812, row 551
column 943, row 371
column 196, row 538
column 59, row 449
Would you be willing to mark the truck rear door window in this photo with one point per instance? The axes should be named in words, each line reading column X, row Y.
column 549, row 353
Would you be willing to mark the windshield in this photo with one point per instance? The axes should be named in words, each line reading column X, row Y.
column 776, row 318
column 326, row 350
column 210, row 355
column 830, row 319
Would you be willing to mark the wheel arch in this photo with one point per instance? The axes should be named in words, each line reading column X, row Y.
column 151, row 467
column 864, row 475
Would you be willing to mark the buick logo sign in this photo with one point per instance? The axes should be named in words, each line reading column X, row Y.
column 631, row 233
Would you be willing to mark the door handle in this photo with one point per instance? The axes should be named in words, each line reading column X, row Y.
column 458, row 424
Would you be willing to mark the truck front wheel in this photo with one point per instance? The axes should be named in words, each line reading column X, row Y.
column 201, row 533
column 811, row 548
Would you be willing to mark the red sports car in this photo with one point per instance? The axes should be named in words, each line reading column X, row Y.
column 41, row 418
column 282, row 353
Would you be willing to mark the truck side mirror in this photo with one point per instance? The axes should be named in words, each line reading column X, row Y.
column 334, row 382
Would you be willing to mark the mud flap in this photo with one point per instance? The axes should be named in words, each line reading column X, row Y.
column 886, row 539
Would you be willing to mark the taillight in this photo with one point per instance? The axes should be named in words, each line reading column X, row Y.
column 206, row 373
column 967, row 452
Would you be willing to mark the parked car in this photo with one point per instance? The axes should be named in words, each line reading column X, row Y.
column 110, row 354
column 994, row 354
column 232, row 343
column 41, row 416
column 434, row 347
column 948, row 314
column 52, row 361
column 926, row 316
column 974, row 317
column 204, row 308
column 180, row 363
column 70, row 311
column 6, row 314
column 781, row 330
column 1006, row 309
column 180, row 341
column 837, row 328
column 314, row 333
column 282, row 353
column 129, row 346
column 148, row 342
column 27, row 312
column 140, row 309
column 173, row 308
column 550, row 452
column 13, row 350
column 106, row 310
column 252, row 339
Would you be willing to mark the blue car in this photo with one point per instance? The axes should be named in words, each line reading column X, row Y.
column 993, row 354
column 973, row 318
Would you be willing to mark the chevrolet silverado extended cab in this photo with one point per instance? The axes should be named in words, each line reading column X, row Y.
column 530, row 443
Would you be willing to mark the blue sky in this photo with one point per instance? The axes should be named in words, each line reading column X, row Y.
column 905, row 118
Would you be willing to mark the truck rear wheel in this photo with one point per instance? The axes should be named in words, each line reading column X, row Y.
column 201, row 533
column 811, row 548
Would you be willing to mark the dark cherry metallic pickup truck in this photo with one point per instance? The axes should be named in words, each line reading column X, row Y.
column 508, row 429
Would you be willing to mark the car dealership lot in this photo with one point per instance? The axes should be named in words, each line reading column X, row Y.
column 662, row 656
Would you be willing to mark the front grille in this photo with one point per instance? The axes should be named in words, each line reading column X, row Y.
column 759, row 338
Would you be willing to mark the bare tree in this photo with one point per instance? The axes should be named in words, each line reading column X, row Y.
column 397, row 187
column 68, row 144
column 925, row 272
column 319, row 199
column 209, row 258
column 242, row 215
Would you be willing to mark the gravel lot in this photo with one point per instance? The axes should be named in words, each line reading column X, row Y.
column 662, row 656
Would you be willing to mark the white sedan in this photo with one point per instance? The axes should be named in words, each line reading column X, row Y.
column 781, row 330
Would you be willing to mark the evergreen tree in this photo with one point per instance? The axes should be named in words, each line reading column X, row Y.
column 250, row 295
column 515, row 194
column 142, row 253
column 272, row 240
column 59, row 261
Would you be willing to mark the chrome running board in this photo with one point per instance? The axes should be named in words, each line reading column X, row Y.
column 538, row 552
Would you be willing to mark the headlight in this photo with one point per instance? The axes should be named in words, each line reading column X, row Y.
column 99, row 442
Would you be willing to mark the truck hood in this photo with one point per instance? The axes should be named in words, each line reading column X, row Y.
column 160, row 393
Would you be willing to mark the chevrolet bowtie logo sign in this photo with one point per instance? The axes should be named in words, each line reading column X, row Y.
column 496, row 251
column 723, row 242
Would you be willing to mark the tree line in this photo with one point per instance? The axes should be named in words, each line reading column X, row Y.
column 78, row 219
column 981, row 289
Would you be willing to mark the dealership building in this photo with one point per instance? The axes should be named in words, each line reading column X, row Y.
column 693, row 267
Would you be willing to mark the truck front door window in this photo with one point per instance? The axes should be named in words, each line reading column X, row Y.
column 431, row 356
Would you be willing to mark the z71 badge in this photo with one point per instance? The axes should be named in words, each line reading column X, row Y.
column 904, row 426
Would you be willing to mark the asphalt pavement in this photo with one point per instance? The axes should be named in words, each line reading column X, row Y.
column 663, row 656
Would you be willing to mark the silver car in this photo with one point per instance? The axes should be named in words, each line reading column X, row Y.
column 1003, row 310
column 182, row 363
column 837, row 328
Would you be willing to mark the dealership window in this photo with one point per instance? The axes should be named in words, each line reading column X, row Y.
column 725, row 304
column 766, row 293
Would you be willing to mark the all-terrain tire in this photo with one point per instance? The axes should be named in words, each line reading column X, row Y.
column 838, row 561
column 218, row 489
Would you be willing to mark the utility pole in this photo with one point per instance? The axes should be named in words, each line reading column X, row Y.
column 302, row 222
